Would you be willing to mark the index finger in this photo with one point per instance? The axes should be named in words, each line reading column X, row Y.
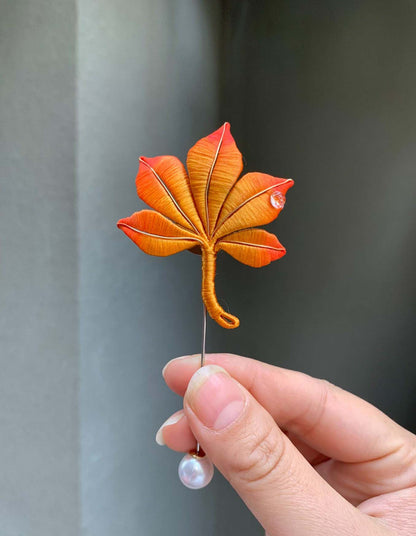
column 329, row 419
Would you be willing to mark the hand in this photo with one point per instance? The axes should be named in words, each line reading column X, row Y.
column 307, row 458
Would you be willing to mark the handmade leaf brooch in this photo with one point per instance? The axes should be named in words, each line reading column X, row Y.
column 207, row 210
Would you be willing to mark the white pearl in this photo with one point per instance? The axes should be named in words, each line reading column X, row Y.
column 195, row 472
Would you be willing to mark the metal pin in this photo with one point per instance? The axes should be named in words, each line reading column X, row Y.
column 204, row 337
column 204, row 333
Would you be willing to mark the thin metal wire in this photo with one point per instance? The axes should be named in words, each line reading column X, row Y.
column 204, row 338
column 204, row 333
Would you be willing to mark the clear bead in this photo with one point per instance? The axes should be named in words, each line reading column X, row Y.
column 195, row 472
column 277, row 199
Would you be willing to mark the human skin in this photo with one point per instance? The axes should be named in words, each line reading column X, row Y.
column 307, row 458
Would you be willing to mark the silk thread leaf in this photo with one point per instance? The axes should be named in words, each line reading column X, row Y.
column 208, row 209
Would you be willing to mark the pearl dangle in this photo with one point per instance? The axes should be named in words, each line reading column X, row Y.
column 196, row 469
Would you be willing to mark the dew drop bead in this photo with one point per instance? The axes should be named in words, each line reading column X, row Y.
column 277, row 199
column 195, row 470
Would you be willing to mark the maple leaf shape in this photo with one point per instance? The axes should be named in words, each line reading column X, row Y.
column 210, row 209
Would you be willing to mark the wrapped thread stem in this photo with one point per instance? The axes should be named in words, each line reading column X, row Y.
column 216, row 312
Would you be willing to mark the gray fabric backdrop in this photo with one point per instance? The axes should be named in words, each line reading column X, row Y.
column 321, row 92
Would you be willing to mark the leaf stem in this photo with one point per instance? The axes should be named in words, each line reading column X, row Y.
column 216, row 312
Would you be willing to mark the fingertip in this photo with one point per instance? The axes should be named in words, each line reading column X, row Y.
column 181, row 359
column 214, row 397
column 173, row 419
column 176, row 434
column 177, row 372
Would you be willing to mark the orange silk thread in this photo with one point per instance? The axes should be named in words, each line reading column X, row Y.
column 210, row 208
column 216, row 312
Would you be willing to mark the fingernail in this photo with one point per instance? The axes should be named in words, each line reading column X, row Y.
column 189, row 358
column 215, row 398
column 176, row 417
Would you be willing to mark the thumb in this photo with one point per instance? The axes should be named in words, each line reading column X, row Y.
column 278, row 485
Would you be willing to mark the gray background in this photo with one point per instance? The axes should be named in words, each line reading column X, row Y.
column 322, row 92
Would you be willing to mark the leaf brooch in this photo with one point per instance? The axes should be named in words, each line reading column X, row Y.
column 207, row 210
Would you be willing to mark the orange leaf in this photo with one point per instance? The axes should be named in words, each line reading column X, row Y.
column 255, row 200
column 163, row 184
column 214, row 164
column 209, row 211
column 254, row 247
column 156, row 235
